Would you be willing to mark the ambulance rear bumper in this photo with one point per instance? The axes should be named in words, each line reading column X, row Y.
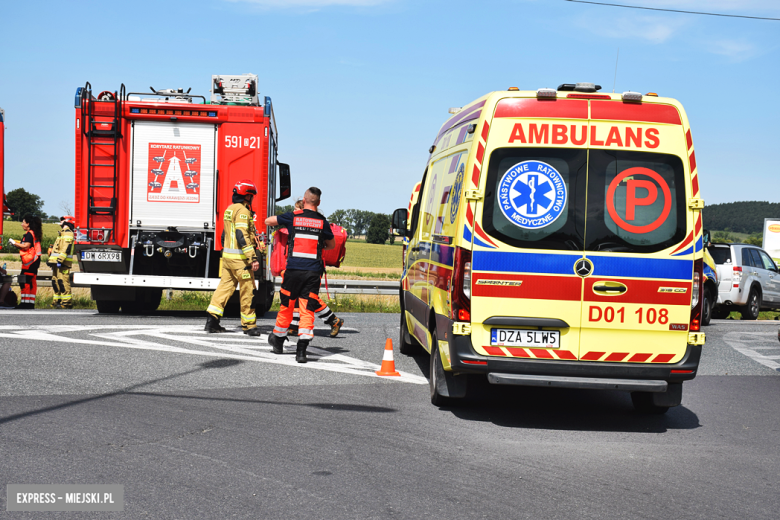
column 578, row 374
column 595, row 383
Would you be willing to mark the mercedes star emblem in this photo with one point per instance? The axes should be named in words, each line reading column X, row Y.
column 583, row 267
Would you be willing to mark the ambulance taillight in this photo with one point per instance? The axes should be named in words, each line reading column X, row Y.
column 698, row 268
column 460, row 290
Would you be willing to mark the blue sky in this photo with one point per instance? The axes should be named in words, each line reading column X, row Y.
column 361, row 87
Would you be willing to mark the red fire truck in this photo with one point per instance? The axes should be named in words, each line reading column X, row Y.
column 154, row 173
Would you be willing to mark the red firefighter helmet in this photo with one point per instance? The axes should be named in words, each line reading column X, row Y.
column 68, row 219
column 245, row 187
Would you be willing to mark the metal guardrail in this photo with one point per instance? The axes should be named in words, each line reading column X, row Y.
column 371, row 287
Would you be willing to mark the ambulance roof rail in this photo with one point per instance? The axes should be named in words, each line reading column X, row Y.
column 579, row 87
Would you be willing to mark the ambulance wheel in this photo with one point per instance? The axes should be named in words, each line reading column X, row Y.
column 407, row 344
column 706, row 307
column 750, row 311
column 107, row 306
column 643, row 403
column 436, row 377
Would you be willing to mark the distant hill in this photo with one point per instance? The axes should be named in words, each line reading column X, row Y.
column 740, row 217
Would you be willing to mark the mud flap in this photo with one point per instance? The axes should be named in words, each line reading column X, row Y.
column 448, row 384
column 672, row 396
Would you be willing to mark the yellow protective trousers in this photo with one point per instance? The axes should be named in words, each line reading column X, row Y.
column 60, row 283
column 245, row 279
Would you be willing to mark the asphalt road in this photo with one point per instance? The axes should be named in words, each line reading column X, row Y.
column 198, row 426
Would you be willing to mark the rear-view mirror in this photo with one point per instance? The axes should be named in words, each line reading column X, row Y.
column 399, row 222
column 285, row 188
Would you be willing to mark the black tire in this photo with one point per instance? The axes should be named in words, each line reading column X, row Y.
column 107, row 307
column 131, row 307
column 435, row 377
column 643, row 403
column 750, row 311
column 408, row 345
column 721, row 313
column 706, row 307
column 152, row 300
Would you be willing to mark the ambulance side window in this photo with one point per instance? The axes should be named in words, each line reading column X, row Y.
column 416, row 207
column 535, row 197
column 636, row 201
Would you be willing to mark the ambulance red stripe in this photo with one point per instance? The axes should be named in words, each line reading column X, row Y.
column 698, row 224
column 662, row 358
column 695, row 185
column 483, row 235
column 518, row 352
column 692, row 160
column 689, row 138
column 532, row 107
column 617, row 356
column 533, row 287
column 648, row 113
column 685, row 243
column 480, row 153
column 592, row 356
column 639, row 358
column 565, row 354
column 541, row 353
column 475, row 176
column 485, row 131
column 494, row 351
column 641, row 291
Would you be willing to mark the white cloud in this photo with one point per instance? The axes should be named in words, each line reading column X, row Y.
column 649, row 28
column 736, row 50
column 282, row 4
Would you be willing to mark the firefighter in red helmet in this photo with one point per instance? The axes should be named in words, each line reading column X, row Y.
column 239, row 261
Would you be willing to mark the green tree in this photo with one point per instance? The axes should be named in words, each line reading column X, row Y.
column 340, row 218
column 723, row 237
column 360, row 220
column 756, row 239
column 284, row 209
column 378, row 229
column 24, row 203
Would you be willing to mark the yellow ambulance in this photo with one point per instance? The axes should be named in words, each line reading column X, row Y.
column 555, row 240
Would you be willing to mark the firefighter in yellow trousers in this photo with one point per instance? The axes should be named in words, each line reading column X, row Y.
column 239, row 261
column 60, row 260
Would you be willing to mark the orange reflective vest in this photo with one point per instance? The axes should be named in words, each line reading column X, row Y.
column 31, row 254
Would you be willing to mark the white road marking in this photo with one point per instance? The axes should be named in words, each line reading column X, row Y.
column 736, row 341
column 185, row 339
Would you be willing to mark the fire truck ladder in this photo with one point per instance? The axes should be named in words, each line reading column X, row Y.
column 103, row 136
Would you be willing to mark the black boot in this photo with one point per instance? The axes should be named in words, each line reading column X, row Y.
column 335, row 326
column 212, row 325
column 254, row 331
column 276, row 343
column 300, row 353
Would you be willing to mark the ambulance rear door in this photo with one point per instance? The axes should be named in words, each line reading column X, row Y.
column 640, row 236
column 528, row 231
column 173, row 166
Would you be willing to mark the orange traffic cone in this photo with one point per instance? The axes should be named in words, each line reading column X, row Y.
column 388, row 365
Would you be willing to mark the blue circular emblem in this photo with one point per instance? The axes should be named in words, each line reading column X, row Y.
column 532, row 194
column 455, row 197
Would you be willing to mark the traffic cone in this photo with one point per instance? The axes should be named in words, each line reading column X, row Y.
column 388, row 365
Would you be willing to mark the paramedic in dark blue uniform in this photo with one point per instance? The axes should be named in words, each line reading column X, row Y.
column 310, row 234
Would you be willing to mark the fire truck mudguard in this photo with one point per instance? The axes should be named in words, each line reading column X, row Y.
column 153, row 172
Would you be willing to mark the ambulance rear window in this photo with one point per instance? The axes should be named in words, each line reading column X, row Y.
column 636, row 201
column 535, row 197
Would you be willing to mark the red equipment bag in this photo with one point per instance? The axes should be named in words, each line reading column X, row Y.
column 334, row 257
column 279, row 251
column 331, row 257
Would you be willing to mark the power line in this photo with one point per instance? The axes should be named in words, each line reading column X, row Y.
column 674, row 10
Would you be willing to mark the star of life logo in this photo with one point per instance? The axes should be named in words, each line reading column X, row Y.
column 532, row 194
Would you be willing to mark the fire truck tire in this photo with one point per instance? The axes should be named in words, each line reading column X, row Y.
column 107, row 306
column 408, row 345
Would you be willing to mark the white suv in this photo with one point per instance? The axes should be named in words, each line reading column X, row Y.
column 749, row 280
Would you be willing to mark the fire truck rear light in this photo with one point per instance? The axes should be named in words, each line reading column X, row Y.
column 464, row 315
column 632, row 96
column 682, row 371
column 135, row 110
column 212, row 114
column 473, row 362
column 546, row 93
